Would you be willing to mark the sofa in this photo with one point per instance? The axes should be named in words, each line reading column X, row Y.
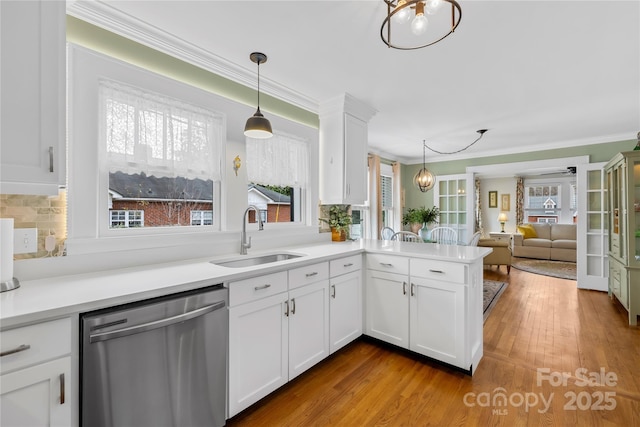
column 545, row 241
column 501, row 254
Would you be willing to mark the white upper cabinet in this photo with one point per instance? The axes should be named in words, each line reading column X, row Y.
column 32, row 136
column 343, row 150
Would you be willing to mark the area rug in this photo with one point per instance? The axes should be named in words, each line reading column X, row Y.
column 560, row 269
column 491, row 291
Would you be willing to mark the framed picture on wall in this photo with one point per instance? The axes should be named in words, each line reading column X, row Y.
column 506, row 203
column 493, row 199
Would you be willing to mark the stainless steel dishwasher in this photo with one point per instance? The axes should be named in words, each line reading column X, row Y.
column 160, row 362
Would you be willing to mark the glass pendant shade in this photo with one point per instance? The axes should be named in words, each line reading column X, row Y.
column 258, row 126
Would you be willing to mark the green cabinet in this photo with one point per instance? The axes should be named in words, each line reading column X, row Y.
column 623, row 183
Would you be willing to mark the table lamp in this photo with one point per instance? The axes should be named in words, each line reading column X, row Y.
column 502, row 218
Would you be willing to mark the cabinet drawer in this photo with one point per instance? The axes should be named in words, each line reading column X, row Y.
column 345, row 265
column 308, row 274
column 254, row 288
column 389, row 263
column 34, row 344
column 438, row 270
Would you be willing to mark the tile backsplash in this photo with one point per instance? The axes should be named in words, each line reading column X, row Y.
column 46, row 213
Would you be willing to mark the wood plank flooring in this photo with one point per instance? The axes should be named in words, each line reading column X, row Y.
column 538, row 323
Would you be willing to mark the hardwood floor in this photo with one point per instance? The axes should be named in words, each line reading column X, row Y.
column 538, row 323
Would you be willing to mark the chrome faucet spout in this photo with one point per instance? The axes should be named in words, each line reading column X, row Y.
column 244, row 242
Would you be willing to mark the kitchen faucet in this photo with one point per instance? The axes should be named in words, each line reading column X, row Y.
column 244, row 243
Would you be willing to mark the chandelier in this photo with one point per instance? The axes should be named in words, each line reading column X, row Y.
column 424, row 179
column 414, row 35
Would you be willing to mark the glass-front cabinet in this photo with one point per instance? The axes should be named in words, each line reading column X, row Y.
column 623, row 182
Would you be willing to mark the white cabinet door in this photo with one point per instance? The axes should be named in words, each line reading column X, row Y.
column 258, row 350
column 32, row 135
column 355, row 164
column 437, row 320
column 345, row 306
column 37, row 396
column 308, row 326
column 387, row 312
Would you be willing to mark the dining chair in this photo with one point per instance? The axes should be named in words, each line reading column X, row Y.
column 387, row 233
column 406, row 236
column 475, row 238
column 444, row 235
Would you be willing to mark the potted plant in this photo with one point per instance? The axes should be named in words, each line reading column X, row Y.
column 339, row 220
column 416, row 218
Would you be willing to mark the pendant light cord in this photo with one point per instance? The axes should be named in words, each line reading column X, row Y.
column 481, row 132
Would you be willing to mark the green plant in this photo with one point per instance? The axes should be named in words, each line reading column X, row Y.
column 338, row 217
column 421, row 215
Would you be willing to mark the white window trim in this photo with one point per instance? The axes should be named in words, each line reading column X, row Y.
column 85, row 198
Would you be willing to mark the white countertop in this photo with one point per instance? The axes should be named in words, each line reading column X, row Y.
column 42, row 299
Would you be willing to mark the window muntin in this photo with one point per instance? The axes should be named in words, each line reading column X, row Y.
column 126, row 218
column 201, row 217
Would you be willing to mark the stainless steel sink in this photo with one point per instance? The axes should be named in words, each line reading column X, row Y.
column 257, row 260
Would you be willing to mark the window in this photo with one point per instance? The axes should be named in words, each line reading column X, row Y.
column 386, row 187
column 550, row 200
column 126, row 218
column 278, row 170
column 162, row 155
column 201, row 217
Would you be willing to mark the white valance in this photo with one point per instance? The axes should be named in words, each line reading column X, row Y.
column 281, row 160
column 160, row 136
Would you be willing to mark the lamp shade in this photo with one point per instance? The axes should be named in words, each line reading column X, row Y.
column 258, row 126
column 503, row 217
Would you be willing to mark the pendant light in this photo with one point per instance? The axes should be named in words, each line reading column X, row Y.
column 257, row 125
column 424, row 179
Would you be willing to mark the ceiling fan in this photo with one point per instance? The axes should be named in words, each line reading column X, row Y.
column 569, row 171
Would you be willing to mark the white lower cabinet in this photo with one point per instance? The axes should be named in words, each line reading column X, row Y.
column 36, row 381
column 436, row 316
column 430, row 307
column 345, row 302
column 275, row 337
column 37, row 396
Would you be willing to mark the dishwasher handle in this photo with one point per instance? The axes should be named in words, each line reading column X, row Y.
column 103, row 336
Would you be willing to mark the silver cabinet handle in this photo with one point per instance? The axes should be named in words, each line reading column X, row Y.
column 286, row 311
column 333, row 291
column 62, row 389
column 103, row 336
column 293, row 306
column 436, row 271
column 315, row 273
column 404, row 288
column 21, row 347
column 385, row 264
column 348, row 265
column 413, row 287
column 258, row 288
column 51, row 159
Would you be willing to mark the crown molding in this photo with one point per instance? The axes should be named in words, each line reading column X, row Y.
column 107, row 17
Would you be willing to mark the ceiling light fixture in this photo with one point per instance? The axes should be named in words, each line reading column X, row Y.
column 257, row 125
column 424, row 179
column 399, row 12
column 480, row 131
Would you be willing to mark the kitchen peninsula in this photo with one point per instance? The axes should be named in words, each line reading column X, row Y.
column 423, row 297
